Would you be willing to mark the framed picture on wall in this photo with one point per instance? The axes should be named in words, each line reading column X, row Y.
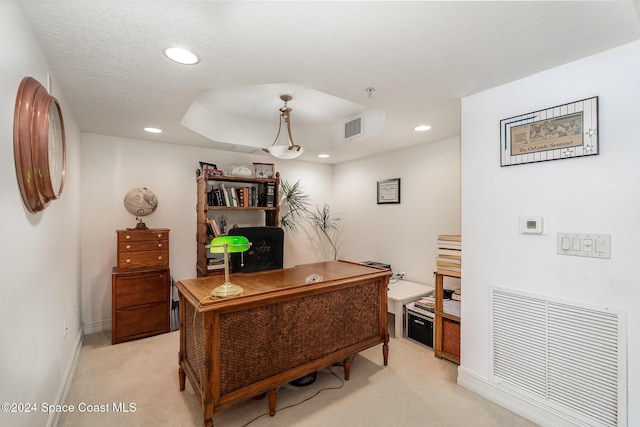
column 263, row 170
column 562, row 132
column 389, row 191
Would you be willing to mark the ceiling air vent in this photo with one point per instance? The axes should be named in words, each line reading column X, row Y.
column 353, row 128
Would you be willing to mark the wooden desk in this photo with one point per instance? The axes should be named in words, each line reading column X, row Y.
column 279, row 329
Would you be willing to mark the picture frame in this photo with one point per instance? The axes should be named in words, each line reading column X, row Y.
column 208, row 169
column 263, row 170
column 389, row 191
column 561, row 132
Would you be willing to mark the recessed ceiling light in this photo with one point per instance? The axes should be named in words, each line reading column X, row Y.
column 181, row 56
column 422, row 128
column 323, row 156
column 153, row 130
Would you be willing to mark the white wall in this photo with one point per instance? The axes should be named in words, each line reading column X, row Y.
column 402, row 235
column 115, row 165
column 40, row 253
column 597, row 194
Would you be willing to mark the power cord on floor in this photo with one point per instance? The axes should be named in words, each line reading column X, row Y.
column 304, row 400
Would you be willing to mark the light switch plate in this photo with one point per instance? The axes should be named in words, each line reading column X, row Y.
column 585, row 244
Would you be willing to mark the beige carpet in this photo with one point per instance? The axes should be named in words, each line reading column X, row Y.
column 415, row 389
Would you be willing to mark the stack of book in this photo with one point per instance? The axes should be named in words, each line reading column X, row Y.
column 449, row 254
column 426, row 304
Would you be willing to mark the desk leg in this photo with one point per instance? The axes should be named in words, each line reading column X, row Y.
column 347, row 368
column 272, row 395
column 385, row 350
column 181, row 377
column 398, row 328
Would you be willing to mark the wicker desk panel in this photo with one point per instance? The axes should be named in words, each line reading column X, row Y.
column 243, row 346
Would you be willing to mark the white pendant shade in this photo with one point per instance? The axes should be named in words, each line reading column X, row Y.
column 283, row 152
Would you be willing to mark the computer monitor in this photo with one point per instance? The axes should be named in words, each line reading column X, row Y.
column 266, row 251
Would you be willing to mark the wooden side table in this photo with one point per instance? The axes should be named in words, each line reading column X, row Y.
column 400, row 294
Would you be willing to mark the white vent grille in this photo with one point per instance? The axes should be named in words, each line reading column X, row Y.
column 568, row 355
column 353, row 128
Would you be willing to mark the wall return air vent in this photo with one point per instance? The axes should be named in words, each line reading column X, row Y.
column 568, row 355
column 353, row 128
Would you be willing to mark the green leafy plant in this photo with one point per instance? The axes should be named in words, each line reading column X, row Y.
column 327, row 223
column 295, row 204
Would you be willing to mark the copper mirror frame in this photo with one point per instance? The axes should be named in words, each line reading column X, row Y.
column 39, row 145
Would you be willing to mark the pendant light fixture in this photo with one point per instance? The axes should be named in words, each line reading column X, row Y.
column 292, row 150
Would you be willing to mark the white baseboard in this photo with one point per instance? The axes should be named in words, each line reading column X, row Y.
column 534, row 411
column 94, row 326
column 66, row 381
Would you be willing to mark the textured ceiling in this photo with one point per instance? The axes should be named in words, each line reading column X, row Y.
column 421, row 57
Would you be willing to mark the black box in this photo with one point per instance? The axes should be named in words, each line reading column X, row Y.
column 420, row 327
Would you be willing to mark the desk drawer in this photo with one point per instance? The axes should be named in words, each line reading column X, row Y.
column 143, row 245
column 135, row 322
column 136, row 235
column 128, row 260
column 134, row 289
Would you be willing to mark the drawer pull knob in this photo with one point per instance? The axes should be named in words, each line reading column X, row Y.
column 159, row 236
column 128, row 246
column 128, row 261
column 159, row 257
column 128, row 237
column 159, row 245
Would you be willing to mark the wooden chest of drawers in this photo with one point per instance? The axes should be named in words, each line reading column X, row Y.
column 143, row 248
column 141, row 285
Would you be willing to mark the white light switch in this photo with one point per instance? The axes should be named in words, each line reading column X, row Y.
column 582, row 244
column 576, row 244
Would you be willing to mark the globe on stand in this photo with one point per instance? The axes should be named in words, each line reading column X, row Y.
column 140, row 202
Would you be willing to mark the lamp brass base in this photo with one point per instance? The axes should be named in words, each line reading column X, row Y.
column 227, row 289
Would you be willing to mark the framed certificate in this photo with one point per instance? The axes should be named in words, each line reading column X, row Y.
column 389, row 191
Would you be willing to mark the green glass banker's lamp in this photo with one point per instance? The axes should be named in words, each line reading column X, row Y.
column 226, row 245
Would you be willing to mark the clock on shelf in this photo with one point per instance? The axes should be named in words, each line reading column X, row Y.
column 38, row 145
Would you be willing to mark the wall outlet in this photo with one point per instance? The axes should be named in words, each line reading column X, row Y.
column 401, row 275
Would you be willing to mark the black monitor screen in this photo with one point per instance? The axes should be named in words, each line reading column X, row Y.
column 266, row 251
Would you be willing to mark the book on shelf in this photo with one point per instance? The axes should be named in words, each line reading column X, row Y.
column 449, row 259
column 426, row 304
column 214, row 226
column 441, row 267
column 449, row 241
column 447, row 266
column 457, row 295
column 270, row 194
column 239, row 196
column 448, row 245
column 245, row 197
column 450, row 237
column 224, row 194
column 450, row 252
column 254, row 196
column 216, row 266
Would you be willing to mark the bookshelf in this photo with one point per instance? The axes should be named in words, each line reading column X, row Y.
column 447, row 325
column 206, row 208
column 446, row 342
